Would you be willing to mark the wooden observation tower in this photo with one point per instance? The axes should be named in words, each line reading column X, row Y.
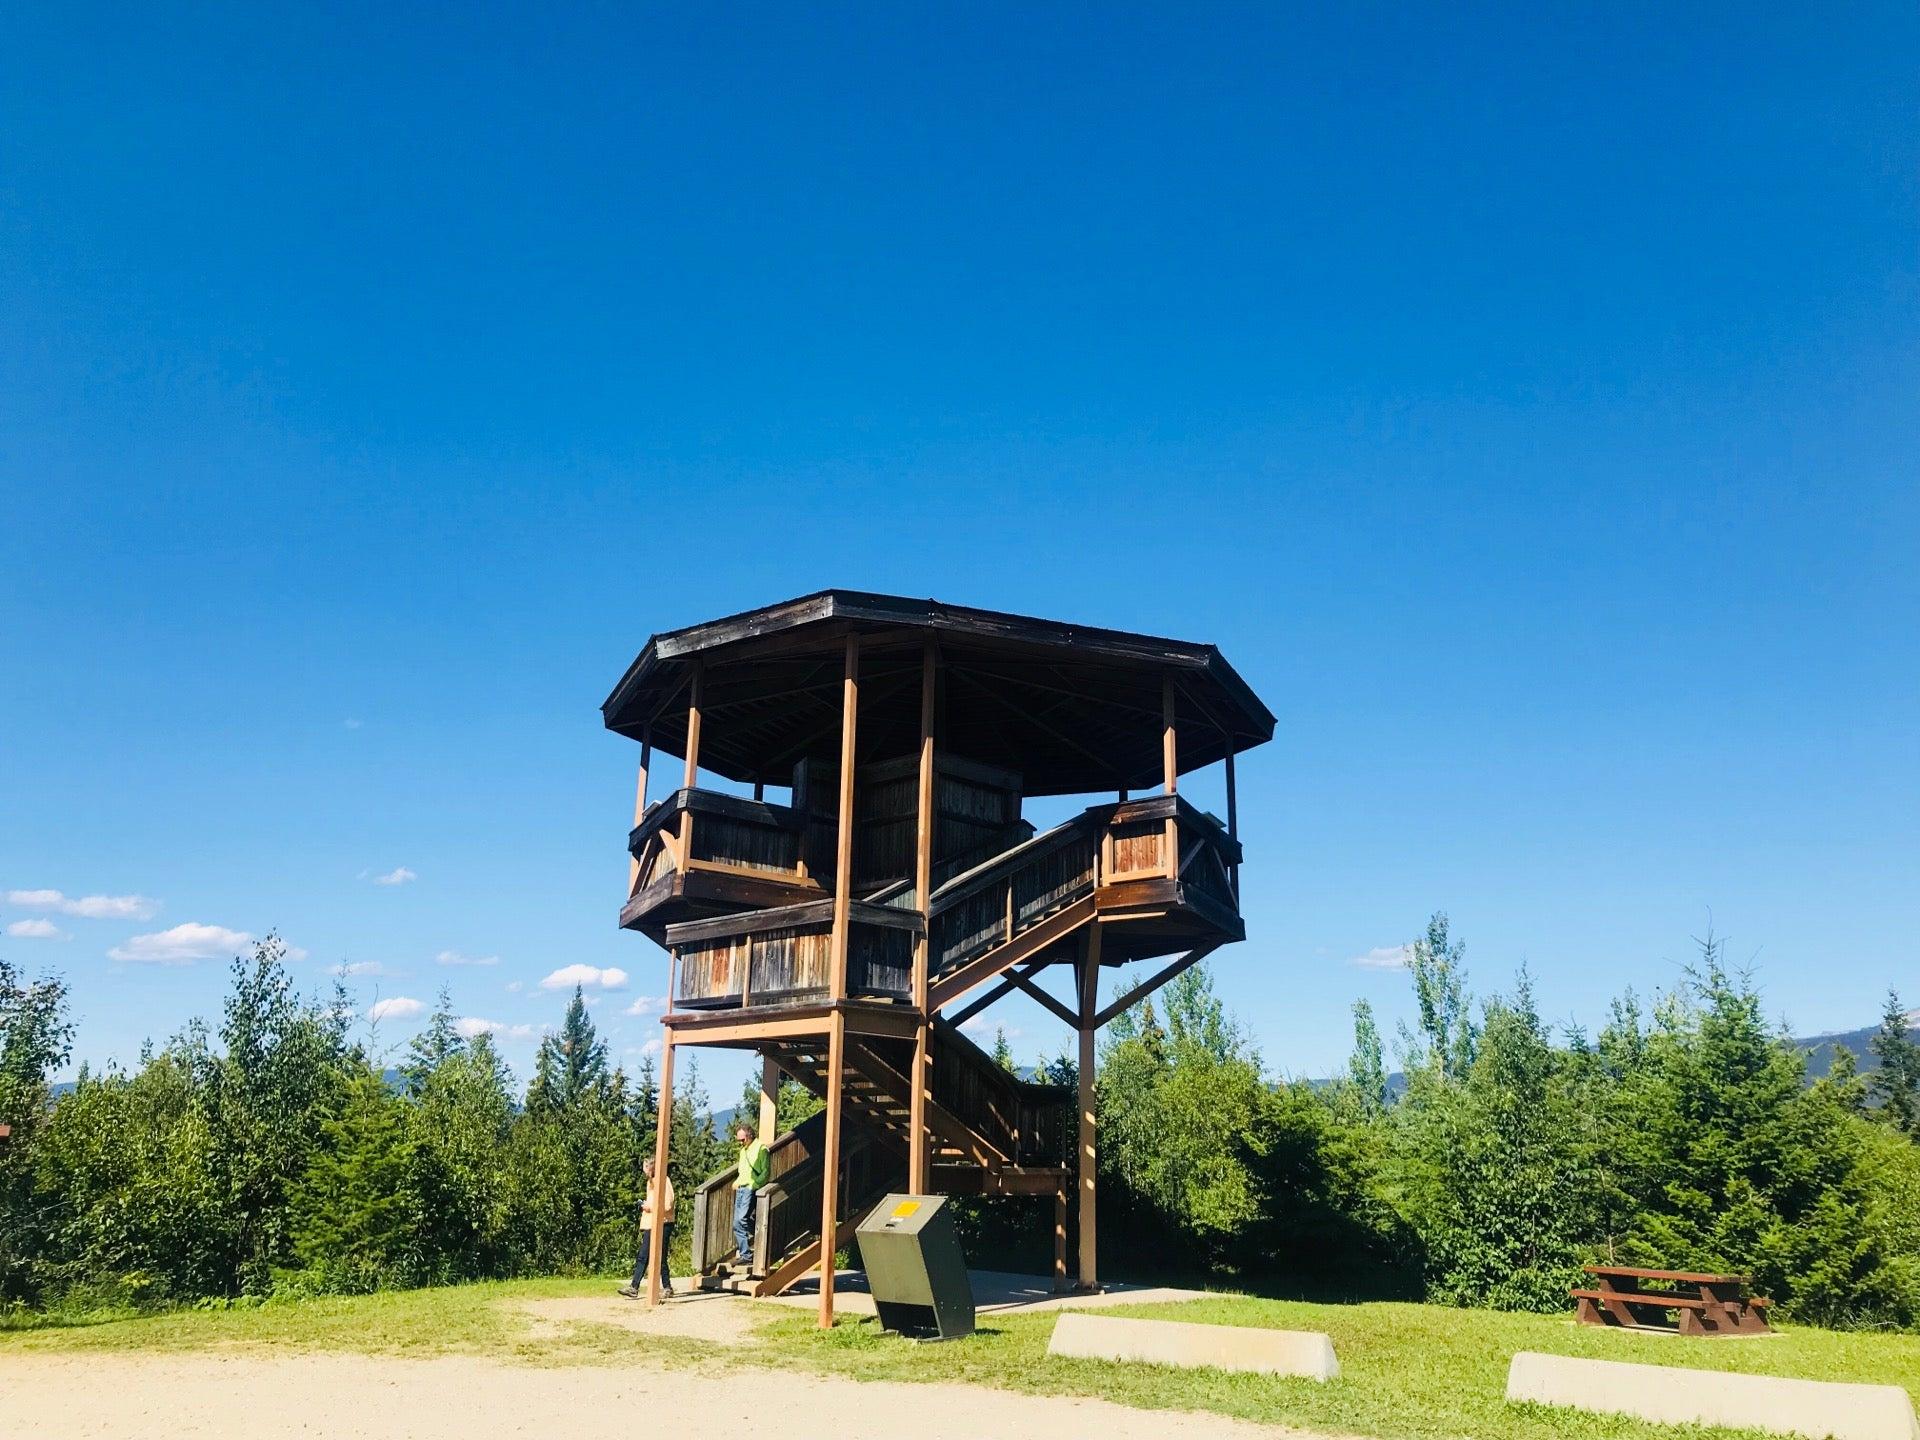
column 846, row 934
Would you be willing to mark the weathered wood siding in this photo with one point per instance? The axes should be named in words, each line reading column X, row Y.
column 976, row 814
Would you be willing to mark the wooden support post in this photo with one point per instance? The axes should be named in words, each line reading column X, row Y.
column 919, row 1156
column 830, row 1164
column 656, row 1231
column 1089, row 1006
column 1170, row 769
column 769, row 1099
column 1060, row 1238
column 837, row 1031
column 843, row 854
column 639, row 806
column 692, row 773
column 1233, row 817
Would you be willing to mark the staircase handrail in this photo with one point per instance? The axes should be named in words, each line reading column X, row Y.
column 995, row 867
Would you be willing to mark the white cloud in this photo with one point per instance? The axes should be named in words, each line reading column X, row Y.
column 184, row 944
column 1384, row 957
column 86, row 907
column 351, row 722
column 646, row 1005
column 399, row 875
column 454, row 957
column 472, row 1025
column 514, row 987
column 400, row 1007
column 359, row 967
column 567, row 976
column 37, row 930
column 981, row 1025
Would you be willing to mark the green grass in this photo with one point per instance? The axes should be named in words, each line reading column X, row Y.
column 1411, row 1371
column 1408, row 1372
column 480, row 1319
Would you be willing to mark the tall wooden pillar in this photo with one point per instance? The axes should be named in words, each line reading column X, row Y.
column 919, row 1156
column 837, row 1032
column 1089, row 1152
column 1233, row 816
column 691, row 774
column 639, row 805
column 656, row 1226
column 769, row 1099
column 1170, row 774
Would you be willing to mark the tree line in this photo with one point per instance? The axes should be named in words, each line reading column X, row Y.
column 275, row 1155
column 1683, row 1136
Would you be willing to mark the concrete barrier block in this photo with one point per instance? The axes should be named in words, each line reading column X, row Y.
column 1086, row 1336
column 1816, row 1408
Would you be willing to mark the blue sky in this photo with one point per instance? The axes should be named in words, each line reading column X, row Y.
column 1523, row 400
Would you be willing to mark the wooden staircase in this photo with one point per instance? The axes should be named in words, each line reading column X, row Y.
column 992, row 1133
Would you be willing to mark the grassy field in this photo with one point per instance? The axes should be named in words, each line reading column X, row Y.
column 1412, row 1371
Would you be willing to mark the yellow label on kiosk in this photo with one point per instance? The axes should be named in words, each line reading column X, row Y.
column 904, row 1209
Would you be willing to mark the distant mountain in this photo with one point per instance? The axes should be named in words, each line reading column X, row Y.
column 1819, row 1048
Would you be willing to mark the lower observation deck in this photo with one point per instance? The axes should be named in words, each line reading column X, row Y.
column 1156, row 873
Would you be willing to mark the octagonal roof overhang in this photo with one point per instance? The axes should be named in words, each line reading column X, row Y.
column 1072, row 708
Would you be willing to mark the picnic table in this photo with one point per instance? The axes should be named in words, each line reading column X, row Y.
column 1643, row 1300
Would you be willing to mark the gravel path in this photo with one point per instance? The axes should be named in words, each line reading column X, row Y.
column 266, row 1397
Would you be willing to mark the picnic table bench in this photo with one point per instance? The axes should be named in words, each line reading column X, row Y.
column 1643, row 1299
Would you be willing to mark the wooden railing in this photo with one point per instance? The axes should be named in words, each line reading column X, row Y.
column 1029, row 1123
column 994, row 902
column 787, row 1207
column 784, row 956
column 1161, row 837
column 722, row 833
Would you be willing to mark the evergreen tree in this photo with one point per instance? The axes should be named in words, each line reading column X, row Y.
column 353, row 1226
column 571, row 1063
column 433, row 1046
column 1896, row 1084
column 1002, row 1051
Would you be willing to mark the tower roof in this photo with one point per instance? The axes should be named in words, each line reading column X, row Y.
column 1073, row 708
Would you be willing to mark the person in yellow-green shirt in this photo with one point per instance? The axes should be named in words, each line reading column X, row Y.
column 752, row 1174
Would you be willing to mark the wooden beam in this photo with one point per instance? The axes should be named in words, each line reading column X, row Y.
column 1170, row 772
column 663, row 1126
column 1045, row 999
column 1033, row 719
column 1088, row 1147
column 843, row 854
column 1001, row 958
column 919, row 1155
column 1140, row 992
column 783, row 1276
column 830, row 1161
column 1233, row 818
column 692, row 771
column 639, row 806
column 769, row 1098
column 1060, row 1236
column 980, row 1002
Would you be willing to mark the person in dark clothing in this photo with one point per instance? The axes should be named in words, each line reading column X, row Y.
column 661, row 1190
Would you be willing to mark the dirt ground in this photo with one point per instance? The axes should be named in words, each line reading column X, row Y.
column 264, row 1397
